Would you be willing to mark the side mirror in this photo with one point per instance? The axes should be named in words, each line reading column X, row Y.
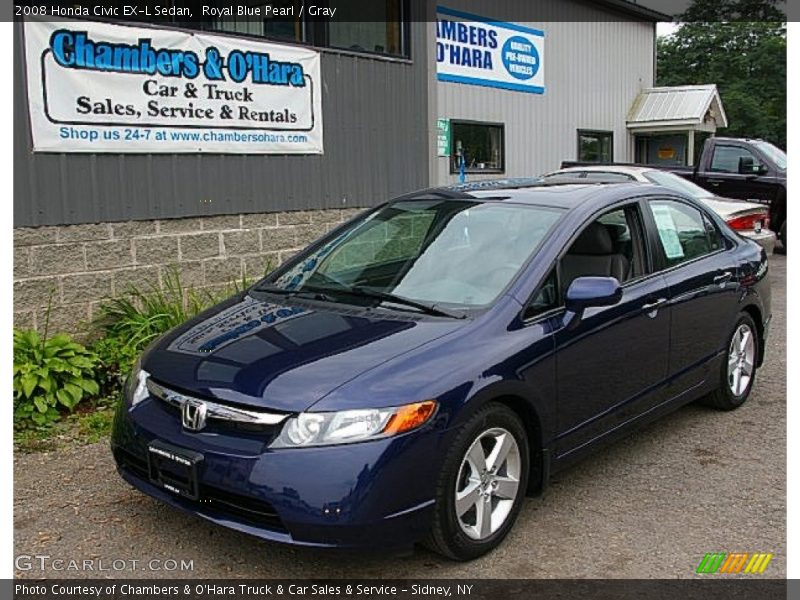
column 747, row 166
column 585, row 292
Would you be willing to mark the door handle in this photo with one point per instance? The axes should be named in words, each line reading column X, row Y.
column 723, row 278
column 651, row 308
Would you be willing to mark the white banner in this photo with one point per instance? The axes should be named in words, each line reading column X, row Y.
column 98, row 87
column 477, row 50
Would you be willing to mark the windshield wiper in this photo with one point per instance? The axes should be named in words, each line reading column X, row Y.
column 327, row 293
column 425, row 307
column 274, row 289
column 312, row 292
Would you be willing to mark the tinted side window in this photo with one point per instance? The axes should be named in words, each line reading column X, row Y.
column 547, row 298
column 607, row 247
column 681, row 230
column 714, row 237
column 726, row 158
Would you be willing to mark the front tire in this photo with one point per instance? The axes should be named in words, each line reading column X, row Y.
column 738, row 371
column 482, row 485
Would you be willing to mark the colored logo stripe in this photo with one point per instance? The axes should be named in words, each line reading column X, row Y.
column 758, row 563
column 711, row 562
column 734, row 562
column 723, row 562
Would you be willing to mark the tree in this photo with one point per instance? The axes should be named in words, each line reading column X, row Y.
column 741, row 46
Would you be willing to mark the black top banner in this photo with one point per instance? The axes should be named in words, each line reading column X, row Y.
column 183, row 12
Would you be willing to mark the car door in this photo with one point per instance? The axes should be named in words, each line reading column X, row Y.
column 610, row 365
column 702, row 281
column 724, row 179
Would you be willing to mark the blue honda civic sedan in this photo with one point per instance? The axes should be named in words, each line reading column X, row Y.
column 417, row 372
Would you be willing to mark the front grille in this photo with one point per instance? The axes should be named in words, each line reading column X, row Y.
column 255, row 512
column 247, row 419
column 258, row 513
column 131, row 463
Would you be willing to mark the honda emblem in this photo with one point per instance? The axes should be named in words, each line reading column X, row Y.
column 193, row 414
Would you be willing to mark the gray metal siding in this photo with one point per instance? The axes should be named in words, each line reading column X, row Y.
column 594, row 68
column 375, row 127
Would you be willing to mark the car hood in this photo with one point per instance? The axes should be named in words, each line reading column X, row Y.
column 283, row 356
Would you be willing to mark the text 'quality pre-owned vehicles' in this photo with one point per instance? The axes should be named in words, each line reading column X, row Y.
column 418, row 371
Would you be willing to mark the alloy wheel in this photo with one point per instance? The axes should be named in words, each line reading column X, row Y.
column 488, row 483
column 741, row 359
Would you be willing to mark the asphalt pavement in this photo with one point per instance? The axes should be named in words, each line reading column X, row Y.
column 649, row 506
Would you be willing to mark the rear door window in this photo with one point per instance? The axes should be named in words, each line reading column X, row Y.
column 682, row 231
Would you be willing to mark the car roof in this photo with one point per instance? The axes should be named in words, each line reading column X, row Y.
column 537, row 192
column 624, row 169
column 735, row 139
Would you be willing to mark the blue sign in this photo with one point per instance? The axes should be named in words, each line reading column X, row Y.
column 476, row 50
column 520, row 58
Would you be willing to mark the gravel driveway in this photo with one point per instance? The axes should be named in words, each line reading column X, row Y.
column 650, row 506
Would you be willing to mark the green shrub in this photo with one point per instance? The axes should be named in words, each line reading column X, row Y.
column 50, row 374
column 143, row 315
column 116, row 358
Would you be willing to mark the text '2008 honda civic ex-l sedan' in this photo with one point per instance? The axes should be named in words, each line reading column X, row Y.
column 418, row 371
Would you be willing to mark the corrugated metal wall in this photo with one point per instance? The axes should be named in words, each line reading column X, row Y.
column 593, row 71
column 376, row 145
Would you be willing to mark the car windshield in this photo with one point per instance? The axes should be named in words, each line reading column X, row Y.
column 775, row 154
column 457, row 253
column 678, row 184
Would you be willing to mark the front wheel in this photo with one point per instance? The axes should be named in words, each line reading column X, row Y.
column 482, row 485
column 738, row 371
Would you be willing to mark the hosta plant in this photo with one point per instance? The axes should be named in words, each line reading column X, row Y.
column 51, row 375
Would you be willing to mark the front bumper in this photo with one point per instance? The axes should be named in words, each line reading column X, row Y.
column 370, row 494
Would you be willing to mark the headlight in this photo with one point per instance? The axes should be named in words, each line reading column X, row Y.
column 323, row 429
column 136, row 387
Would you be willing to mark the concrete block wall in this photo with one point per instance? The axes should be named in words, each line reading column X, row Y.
column 76, row 267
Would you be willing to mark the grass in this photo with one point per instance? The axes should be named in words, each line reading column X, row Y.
column 88, row 425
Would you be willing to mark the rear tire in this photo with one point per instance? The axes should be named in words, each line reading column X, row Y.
column 738, row 369
column 782, row 235
column 476, row 508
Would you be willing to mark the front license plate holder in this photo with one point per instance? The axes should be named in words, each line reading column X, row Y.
column 174, row 469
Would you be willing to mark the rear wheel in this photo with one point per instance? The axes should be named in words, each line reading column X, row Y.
column 782, row 235
column 738, row 370
column 482, row 485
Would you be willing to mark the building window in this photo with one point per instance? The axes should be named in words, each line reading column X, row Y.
column 379, row 27
column 482, row 146
column 595, row 146
column 368, row 27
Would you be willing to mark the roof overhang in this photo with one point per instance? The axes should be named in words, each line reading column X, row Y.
column 632, row 9
column 679, row 108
